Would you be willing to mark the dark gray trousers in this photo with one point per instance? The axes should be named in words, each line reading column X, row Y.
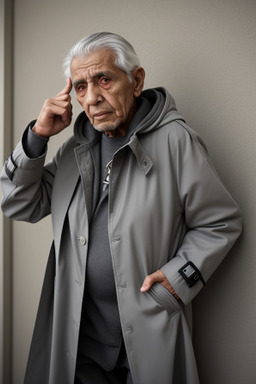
column 90, row 372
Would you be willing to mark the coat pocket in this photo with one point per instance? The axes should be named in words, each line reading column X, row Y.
column 165, row 298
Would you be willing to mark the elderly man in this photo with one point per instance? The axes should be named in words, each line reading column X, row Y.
column 140, row 222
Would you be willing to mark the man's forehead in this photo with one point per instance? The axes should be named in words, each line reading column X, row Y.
column 94, row 64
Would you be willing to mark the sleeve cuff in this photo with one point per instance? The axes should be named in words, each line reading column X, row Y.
column 184, row 278
column 33, row 144
column 20, row 166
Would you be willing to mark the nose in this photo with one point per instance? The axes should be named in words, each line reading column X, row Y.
column 93, row 94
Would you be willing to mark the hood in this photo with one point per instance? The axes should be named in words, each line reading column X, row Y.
column 163, row 110
column 156, row 107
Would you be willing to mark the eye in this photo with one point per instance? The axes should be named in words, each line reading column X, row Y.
column 105, row 81
column 80, row 88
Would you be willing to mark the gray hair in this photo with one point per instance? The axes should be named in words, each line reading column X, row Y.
column 126, row 58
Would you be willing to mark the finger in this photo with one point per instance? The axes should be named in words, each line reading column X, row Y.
column 67, row 116
column 54, row 108
column 69, row 85
column 67, row 89
column 150, row 280
column 61, row 100
column 57, row 105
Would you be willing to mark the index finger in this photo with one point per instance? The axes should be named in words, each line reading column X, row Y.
column 67, row 88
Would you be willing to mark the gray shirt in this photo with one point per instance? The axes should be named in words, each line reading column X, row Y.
column 100, row 331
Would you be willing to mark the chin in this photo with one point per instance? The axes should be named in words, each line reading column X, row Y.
column 106, row 127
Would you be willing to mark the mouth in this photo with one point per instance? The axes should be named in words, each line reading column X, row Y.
column 101, row 115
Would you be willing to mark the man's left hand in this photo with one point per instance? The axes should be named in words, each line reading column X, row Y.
column 158, row 277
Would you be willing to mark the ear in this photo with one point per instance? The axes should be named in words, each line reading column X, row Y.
column 138, row 76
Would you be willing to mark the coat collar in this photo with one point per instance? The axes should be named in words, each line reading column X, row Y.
column 143, row 160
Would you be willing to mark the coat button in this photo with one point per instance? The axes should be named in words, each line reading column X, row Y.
column 82, row 240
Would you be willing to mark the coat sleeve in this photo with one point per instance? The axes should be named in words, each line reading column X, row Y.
column 212, row 217
column 27, row 184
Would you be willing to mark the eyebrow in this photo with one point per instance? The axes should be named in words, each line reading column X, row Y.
column 96, row 76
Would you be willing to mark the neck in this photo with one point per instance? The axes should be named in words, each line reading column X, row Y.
column 116, row 133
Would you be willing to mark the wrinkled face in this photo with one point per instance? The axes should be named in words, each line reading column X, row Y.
column 104, row 91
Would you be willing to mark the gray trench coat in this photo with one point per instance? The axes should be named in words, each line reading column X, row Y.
column 167, row 206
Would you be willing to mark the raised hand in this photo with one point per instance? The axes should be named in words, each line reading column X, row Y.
column 56, row 113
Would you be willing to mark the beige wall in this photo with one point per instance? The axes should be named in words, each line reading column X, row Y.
column 6, row 56
column 204, row 53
